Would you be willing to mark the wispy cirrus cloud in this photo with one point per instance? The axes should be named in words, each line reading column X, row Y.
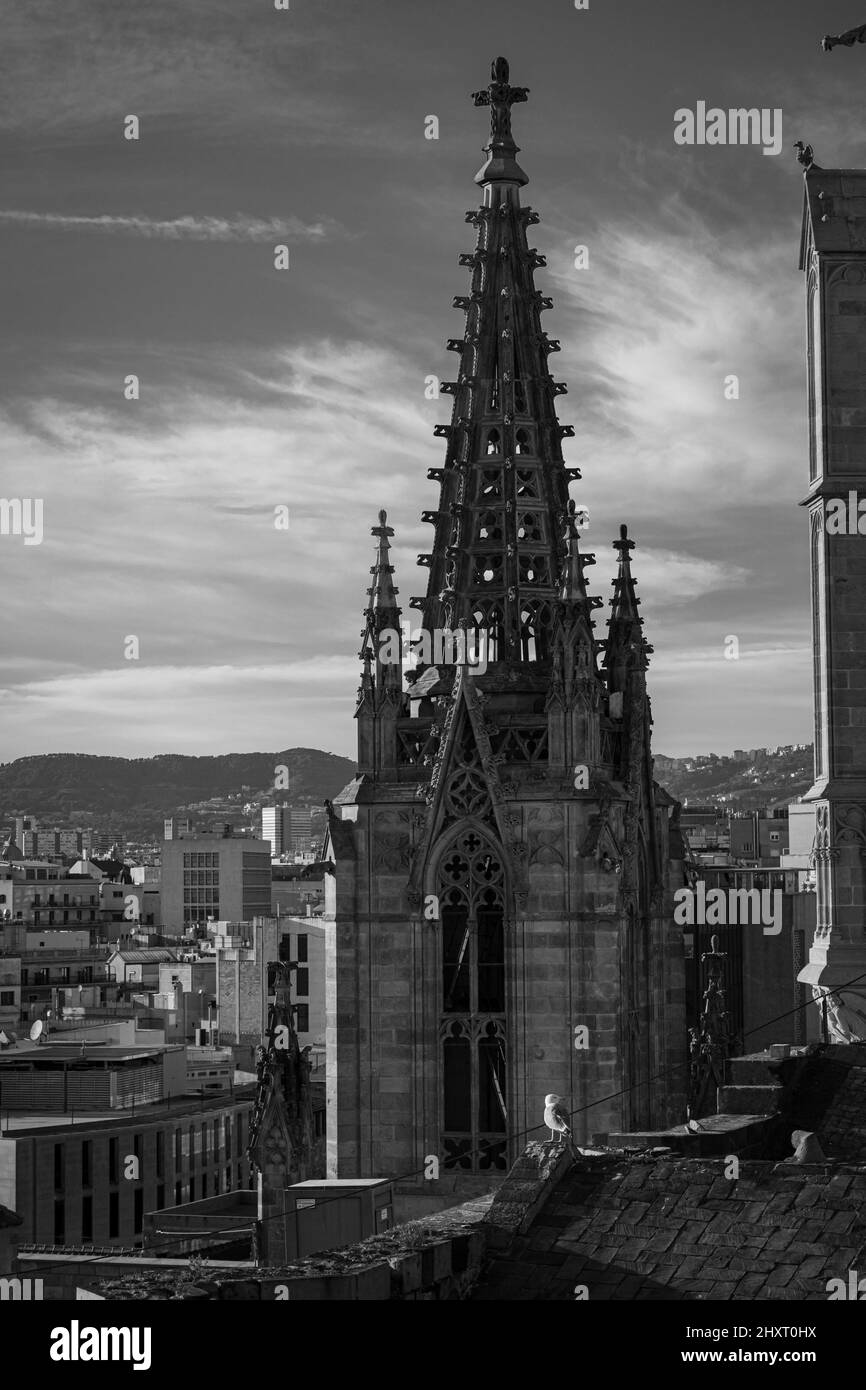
column 240, row 227
column 157, row 708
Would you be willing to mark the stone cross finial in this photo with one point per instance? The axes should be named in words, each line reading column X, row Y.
column 500, row 96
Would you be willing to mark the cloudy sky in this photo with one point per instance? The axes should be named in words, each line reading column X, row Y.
column 305, row 388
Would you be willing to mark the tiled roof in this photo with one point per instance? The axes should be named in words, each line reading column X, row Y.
column 626, row 1228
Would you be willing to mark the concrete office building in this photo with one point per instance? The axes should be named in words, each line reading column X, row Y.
column 37, row 841
column 288, row 829
column 759, row 839
column 277, row 828
column 91, row 1181
column 210, row 876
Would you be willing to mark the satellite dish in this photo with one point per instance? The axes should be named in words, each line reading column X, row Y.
column 48, row 1013
column 36, row 1030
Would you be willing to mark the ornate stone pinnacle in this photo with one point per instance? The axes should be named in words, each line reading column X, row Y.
column 805, row 154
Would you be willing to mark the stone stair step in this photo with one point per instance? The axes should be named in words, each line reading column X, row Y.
column 718, row 1134
column 749, row 1100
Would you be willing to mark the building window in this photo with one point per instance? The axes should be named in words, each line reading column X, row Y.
column 302, row 947
column 59, row 1168
column 137, row 1146
column 302, row 1016
column 7, row 996
column 160, row 1154
column 474, row 1115
column 137, row 1210
column 192, row 1189
column 160, row 1196
column 523, row 442
column 204, row 1184
column 178, row 1151
column 178, row 1194
column 114, row 1160
column 87, row 1163
column 113, row 1216
column 87, row 1218
column 59, row 1222
column 302, row 983
column 228, row 1186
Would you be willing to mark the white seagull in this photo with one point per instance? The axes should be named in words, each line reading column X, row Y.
column 556, row 1118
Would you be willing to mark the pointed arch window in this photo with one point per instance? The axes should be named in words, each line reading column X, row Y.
column 534, row 630
column 489, row 631
column 522, row 442
column 473, row 1024
column 494, row 442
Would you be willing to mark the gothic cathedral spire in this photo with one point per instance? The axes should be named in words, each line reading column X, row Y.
column 504, row 863
column 497, row 554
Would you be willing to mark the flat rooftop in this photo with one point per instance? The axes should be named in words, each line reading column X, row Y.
column 340, row 1182
column 13, row 1126
column 95, row 1053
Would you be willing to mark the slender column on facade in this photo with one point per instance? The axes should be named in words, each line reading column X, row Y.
column 833, row 258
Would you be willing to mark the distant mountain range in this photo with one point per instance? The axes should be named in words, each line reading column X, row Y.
column 136, row 794
column 745, row 781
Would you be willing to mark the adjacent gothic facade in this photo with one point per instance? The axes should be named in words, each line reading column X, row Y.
column 833, row 257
